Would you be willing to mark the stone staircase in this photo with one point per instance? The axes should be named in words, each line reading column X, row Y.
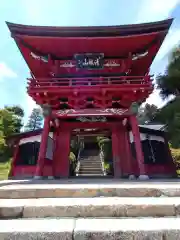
column 90, row 164
column 82, row 209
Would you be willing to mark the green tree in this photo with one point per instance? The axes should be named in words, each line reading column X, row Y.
column 147, row 113
column 11, row 120
column 170, row 116
column 10, row 123
column 35, row 120
column 169, row 83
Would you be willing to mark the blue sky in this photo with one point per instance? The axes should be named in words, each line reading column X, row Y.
column 13, row 69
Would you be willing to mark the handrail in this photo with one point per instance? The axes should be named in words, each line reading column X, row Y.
column 93, row 81
column 101, row 155
column 78, row 160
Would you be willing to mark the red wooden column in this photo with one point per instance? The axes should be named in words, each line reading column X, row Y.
column 14, row 159
column 43, row 148
column 138, row 147
column 61, row 161
column 116, row 152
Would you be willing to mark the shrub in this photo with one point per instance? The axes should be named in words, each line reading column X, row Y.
column 176, row 156
column 72, row 157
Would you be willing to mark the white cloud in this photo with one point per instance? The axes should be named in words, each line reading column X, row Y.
column 172, row 39
column 5, row 71
column 155, row 98
column 30, row 104
column 27, row 103
column 155, row 10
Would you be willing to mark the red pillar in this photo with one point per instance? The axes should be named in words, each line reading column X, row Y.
column 14, row 159
column 116, row 152
column 61, row 161
column 43, row 148
column 138, row 147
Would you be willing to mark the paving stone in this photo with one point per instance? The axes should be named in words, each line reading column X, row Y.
column 150, row 235
column 151, row 207
column 86, row 193
column 99, row 229
column 137, row 192
column 83, row 235
column 107, row 192
column 11, row 212
column 172, row 235
column 79, row 207
column 41, row 229
column 36, row 236
column 170, row 192
column 90, row 207
column 150, row 211
column 86, row 188
column 18, row 193
column 132, row 229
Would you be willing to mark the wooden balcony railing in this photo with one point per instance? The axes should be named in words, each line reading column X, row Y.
column 89, row 81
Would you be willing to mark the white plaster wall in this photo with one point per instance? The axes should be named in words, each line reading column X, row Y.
column 145, row 136
column 37, row 138
column 49, row 152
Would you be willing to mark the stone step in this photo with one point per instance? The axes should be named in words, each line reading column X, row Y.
column 90, row 167
column 91, row 163
column 91, row 170
column 90, row 174
column 90, row 160
column 87, row 188
column 89, row 207
column 76, row 229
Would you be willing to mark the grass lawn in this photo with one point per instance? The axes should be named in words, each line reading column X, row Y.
column 4, row 170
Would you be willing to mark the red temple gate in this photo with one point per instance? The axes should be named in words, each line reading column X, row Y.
column 90, row 71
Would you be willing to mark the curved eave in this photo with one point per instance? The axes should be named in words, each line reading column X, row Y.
column 98, row 31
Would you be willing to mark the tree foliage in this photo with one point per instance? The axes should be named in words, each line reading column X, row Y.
column 170, row 116
column 169, row 83
column 147, row 113
column 35, row 120
column 10, row 123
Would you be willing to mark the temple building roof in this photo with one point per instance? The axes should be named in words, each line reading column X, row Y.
column 142, row 41
column 90, row 31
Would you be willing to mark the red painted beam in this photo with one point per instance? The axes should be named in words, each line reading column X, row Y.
column 87, row 125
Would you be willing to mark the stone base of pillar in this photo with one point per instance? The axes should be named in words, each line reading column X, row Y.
column 143, row 177
column 50, row 178
column 132, row 177
column 38, row 177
